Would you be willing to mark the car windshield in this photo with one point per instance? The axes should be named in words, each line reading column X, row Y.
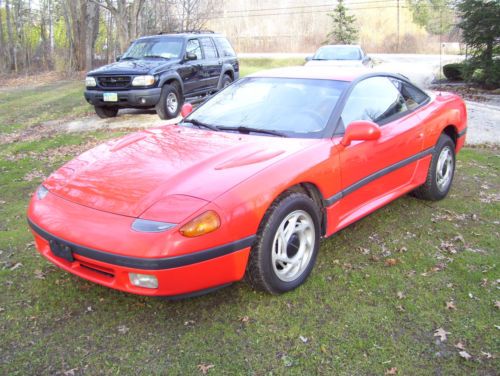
column 167, row 48
column 291, row 107
column 338, row 53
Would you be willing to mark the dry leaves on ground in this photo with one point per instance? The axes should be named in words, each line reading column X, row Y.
column 204, row 368
column 465, row 355
column 442, row 334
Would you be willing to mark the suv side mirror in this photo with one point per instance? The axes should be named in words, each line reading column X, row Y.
column 118, row 57
column 186, row 109
column 360, row 130
column 191, row 56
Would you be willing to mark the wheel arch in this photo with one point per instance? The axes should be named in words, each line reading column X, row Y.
column 452, row 131
column 173, row 79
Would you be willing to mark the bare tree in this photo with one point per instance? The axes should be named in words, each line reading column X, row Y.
column 193, row 14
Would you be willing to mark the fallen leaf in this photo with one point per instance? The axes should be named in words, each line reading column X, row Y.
column 497, row 304
column 487, row 355
column 374, row 258
column 205, row 367
column 484, row 282
column 245, row 319
column 459, row 345
column 123, row 329
column 441, row 333
column 391, row 371
column 391, row 262
column 70, row 372
column 400, row 295
column 400, row 308
column 465, row 355
column 304, row 339
column 449, row 285
column 189, row 322
column 402, row 249
column 450, row 305
column 16, row 266
column 39, row 274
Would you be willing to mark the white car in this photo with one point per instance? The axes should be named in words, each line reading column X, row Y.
column 340, row 55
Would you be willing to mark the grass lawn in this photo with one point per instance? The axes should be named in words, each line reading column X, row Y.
column 373, row 303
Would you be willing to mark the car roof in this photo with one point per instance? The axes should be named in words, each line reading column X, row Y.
column 341, row 46
column 318, row 73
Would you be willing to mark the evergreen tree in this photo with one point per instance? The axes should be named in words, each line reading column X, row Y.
column 480, row 26
column 344, row 29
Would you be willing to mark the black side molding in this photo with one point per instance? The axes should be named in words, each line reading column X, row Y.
column 368, row 179
column 148, row 263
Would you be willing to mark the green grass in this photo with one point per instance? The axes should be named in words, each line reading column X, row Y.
column 249, row 66
column 349, row 315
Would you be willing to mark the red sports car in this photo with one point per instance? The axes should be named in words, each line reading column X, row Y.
column 248, row 183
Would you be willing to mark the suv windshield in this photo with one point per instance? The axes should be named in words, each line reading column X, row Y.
column 292, row 107
column 337, row 53
column 167, row 48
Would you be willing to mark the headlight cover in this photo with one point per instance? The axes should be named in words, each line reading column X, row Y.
column 144, row 225
column 41, row 192
column 90, row 81
column 143, row 80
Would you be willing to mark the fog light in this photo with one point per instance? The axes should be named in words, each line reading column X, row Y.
column 143, row 100
column 143, row 280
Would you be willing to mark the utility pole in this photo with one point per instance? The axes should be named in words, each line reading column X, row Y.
column 397, row 47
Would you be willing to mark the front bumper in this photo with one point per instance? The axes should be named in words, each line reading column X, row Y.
column 127, row 98
column 179, row 275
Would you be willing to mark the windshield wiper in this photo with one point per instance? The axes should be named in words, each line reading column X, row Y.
column 128, row 58
column 158, row 56
column 243, row 129
column 201, row 124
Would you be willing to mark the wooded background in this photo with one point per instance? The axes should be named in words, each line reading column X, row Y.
column 76, row 35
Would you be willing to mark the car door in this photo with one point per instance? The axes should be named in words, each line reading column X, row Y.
column 212, row 64
column 372, row 171
column 191, row 71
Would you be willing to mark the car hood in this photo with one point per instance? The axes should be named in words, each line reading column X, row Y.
column 150, row 66
column 128, row 175
column 334, row 63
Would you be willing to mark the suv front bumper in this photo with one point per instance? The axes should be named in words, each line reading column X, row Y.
column 128, row 98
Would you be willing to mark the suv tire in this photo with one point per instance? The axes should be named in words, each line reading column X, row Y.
column 169, row 105
column 226, row 81
column 106, row 112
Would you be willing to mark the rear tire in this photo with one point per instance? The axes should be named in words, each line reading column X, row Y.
column 226, row 81
column 441, row 171
column 169, row 105
column 287, row 245
column 106, row 112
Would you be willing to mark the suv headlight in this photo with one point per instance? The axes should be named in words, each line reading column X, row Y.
column 143, row 81
column 90, row 81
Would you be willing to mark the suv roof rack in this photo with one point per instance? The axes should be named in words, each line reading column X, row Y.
column 187, row 32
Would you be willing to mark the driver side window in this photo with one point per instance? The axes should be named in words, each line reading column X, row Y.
column 375, row 99
column 193, row 45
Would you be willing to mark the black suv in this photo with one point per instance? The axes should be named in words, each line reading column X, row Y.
column 163, row 71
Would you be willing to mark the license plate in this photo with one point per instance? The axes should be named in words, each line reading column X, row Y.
column 61, row 250
column 110, row 97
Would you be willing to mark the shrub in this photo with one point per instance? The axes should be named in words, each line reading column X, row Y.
column 454, row 72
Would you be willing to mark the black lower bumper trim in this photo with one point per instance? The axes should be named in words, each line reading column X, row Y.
column 147, row 263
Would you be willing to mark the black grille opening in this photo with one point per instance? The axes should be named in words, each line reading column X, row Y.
column 114, row 81
column 100, row 271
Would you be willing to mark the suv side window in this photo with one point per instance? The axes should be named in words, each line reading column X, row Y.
column 375, row 99
column 208, row 48
column 225, row 49
column 193, row 45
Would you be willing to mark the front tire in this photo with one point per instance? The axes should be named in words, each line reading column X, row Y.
column 169, row 105
column 106, row 112
column 287, row 245
column 441, row 171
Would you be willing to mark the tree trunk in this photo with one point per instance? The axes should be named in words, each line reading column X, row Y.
column 12, row 50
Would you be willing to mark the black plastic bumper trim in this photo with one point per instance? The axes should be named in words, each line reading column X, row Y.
column 148, row 263
column 366, row 180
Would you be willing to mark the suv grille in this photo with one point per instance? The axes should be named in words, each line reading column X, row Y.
column 114, row 81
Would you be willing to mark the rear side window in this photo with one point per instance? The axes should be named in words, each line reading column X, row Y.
column 412, row 96
column 208, row 48
column 375, row 99
column 224, row 47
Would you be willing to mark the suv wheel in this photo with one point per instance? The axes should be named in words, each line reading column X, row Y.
column 226, row 81
column 106, row 112
column 170, row 103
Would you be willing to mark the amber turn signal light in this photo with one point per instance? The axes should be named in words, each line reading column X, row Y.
column 203, row 224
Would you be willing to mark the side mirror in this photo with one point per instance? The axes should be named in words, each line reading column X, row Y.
column 309, row 58
column 186, row 109
column 360, row 130
column 118, row 57
column 191, row 56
